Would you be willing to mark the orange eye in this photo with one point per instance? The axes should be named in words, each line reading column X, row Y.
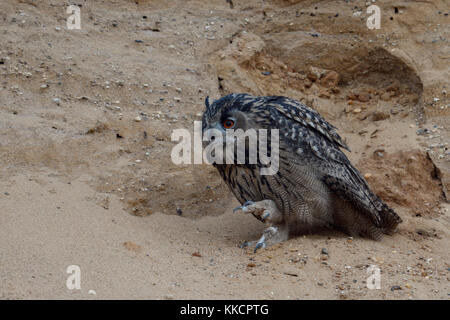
column 228, row 124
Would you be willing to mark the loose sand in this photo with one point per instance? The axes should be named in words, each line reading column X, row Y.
column 86, row 118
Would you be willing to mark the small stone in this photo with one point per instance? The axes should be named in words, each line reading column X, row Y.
column 367, row 176
column 56, row 100
column 380, row 115
column 364, row 97
column 424, row 232
column 138, row 119
column 394, row 288
column 385, row 96
column 196, row 254
column 352, row 96
column 179, row 211
column 129, row 245
column 421, row 131
column 330, row 80
column 324, row 251
column 307, row 83
column 324, row 94
column 311, row 76
column 393, row 87
column 379, row 152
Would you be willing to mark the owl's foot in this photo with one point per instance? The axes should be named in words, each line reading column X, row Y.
column 270, row 236
column 265, row 210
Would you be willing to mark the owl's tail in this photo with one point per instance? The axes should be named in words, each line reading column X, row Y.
column 389, row 218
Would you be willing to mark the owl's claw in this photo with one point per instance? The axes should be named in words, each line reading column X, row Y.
column 260, row 244
column 269, row 237
column 244, row 206
column 244, row 244
column 265, row 210
column 265, row 215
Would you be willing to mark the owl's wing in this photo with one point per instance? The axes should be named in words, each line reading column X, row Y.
column 306, row 116
column 318, row 144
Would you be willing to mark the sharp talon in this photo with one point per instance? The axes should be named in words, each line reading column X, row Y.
column 244, row 206
column 259, row 245
column 244, row 245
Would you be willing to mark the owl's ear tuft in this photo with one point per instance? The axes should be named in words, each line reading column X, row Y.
column 207, row 102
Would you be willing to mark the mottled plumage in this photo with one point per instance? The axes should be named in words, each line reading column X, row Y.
column 315, row 186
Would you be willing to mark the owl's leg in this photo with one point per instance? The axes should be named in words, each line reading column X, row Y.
column 270, row 236
column 265, row 210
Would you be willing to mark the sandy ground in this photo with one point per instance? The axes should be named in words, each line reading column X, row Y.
column 85, row 123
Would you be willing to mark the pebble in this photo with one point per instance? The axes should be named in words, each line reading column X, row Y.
column 379, row 152
column 422, row 131
column 363, row 97
column 394, row 288
column 56, row 100
column 138, row 119
column 380, row 115
column 385, row 96
column 324, row 251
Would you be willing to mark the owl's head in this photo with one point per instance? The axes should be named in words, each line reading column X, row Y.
column 235, row 120
column 235, row 111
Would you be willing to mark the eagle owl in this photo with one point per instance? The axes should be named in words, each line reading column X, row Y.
column 315, row 186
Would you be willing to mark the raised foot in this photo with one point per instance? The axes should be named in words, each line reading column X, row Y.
column 265, row 210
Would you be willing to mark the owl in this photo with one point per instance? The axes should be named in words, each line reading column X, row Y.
column 315, row 186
